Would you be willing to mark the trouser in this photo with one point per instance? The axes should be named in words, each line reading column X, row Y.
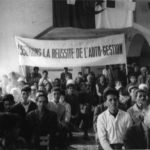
column 117, row 146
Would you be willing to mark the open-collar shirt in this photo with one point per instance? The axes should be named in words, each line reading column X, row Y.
column 111, row 130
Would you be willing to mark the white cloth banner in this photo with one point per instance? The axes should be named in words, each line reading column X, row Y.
column 119, row 17
column 71, row 53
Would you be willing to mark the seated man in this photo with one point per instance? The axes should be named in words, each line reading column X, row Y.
column 25, row 105
column 54, row 105
column 136, row 110
column 138, row 136
column 60, row 110
column 73, row 100
column 112, row 123
column 7, row 103
column 42, row 122
column 22, row 108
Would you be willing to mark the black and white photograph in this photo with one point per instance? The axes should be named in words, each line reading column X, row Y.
column 74, row 74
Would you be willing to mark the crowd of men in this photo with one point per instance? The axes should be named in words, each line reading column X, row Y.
column 37, row 112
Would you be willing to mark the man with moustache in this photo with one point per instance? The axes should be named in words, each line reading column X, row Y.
column 138, row 136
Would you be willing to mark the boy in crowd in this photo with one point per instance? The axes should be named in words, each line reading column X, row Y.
column 23, row 108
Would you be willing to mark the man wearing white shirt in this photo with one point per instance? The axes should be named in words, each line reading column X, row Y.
column 112, row 123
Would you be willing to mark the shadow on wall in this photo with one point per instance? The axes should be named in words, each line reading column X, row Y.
column 139, row 50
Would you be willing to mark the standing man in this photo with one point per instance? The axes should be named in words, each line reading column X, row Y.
column 65, row 76
column 113, row 123
column 34, row 76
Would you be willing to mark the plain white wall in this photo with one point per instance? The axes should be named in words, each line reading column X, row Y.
column 22, row 18
column 143, row 13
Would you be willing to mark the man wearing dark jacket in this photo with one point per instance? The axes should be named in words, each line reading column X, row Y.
column 43, row 123
column 22, row 108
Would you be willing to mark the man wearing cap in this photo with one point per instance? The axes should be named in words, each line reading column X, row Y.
column 132, row 90
column 113, row 123
column 136, row 110
column 144, row 77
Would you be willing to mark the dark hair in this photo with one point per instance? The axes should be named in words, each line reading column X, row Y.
column 56, row 88
column 36, row 68
column 66, row 68
column 138, row 91
column 45, row 71
column 9, row 97
column 111, row 91
column 42, row 95
column 26, row 88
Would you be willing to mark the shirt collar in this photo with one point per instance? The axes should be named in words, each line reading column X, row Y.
column 135, row 107
column 109, row 114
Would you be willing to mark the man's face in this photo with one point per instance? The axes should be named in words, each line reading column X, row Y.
column 62, row 99
column 141, row 99
column 90, row 79
column 70, row 90
column 102, row 79
column 7, row 105
column 25, row 95
column 36, row 70
column 45, row 75
column 112, row 103
column 132, row 79
column 56, row 95
column 42, row 103
column 66, row 70
column 132, row 94
column 144, row 72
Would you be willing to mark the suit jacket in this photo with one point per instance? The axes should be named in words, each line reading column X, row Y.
column 19, row 109
column 47, row 124
column 135, row 137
